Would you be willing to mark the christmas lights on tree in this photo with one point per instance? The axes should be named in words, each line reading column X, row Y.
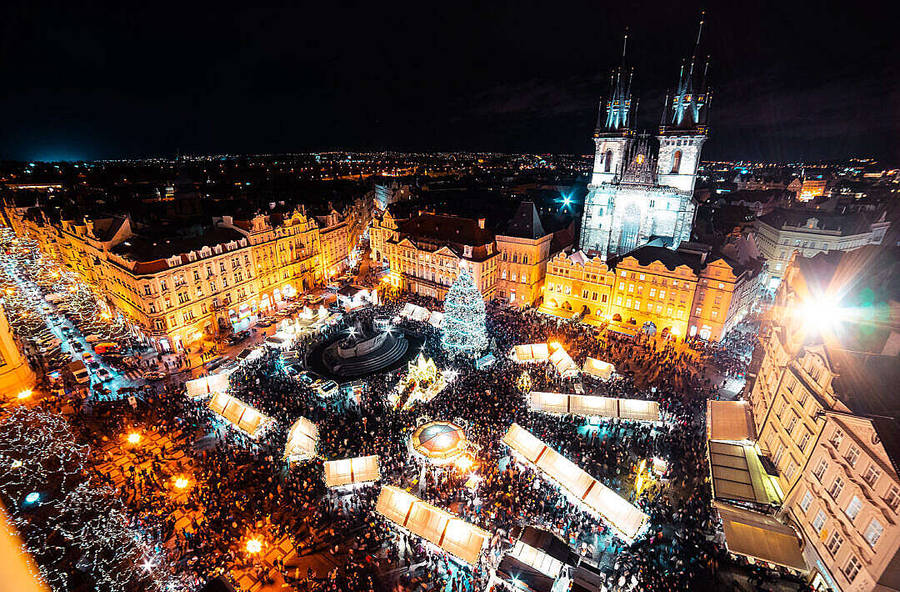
column 68, row 523
column 464, row 332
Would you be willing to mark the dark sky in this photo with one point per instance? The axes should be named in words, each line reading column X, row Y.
column 792, row 81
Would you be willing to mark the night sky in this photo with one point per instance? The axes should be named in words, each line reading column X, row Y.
column 108, row 80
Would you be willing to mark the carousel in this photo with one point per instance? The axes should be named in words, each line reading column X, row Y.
column 439, row 442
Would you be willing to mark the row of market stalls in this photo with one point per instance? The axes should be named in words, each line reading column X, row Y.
column 746, row 491
column 585, row 490
column 553, row 352
column 420, row 313
column 443, row 529
column 593, row 406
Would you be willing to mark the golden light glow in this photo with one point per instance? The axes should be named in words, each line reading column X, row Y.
column 464, row 463
column 24, row 394
column 181, row 482
column 254, row 546
column 134, row 438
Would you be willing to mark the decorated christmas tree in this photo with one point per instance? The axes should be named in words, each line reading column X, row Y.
column 464, row 332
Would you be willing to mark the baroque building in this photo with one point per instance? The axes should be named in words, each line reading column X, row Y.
column 641, row 187
column 824, row 404
column 681, row 293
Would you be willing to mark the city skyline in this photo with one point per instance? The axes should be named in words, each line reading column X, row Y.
column 141, row 84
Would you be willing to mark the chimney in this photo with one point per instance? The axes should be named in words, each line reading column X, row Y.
column 481, row 223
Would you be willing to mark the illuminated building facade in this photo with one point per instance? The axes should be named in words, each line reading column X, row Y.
column 784, row 232
column 426, row 251
column 15, row 373
column 525, row 249
column 825, row 409
column 682, row 293
column 176, row 289
column 811, row 189
column 642, row 187
column 335, row 242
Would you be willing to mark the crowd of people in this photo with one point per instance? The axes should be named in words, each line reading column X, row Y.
column 244, row 487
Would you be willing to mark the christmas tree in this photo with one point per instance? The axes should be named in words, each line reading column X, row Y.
column 464, row 332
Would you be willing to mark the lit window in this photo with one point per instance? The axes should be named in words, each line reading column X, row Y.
column 871, row 475
column 852, row 455
column 806, row 501
column 873, row 532
column 834, row 543
column 853, row 508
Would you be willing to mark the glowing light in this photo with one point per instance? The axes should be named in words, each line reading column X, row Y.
column 134, row 438
column 464, row 463
column 16, row 464
column 821, row 314
column 24, row 394
column 254, row 546
column 181, row 482
column 148, row 564
column 32, row 498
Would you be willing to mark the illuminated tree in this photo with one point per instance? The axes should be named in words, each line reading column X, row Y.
column 464, row 331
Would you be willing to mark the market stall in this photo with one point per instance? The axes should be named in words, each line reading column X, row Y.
column 598, row 369
column 580, row 487
column 439, row 527
column 350, row 471
column 592, row 406
column 208, row 385
column 239, row 414
column 302, row 440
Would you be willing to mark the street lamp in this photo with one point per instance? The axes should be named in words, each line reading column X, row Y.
column 254, row 546
column 134, row 438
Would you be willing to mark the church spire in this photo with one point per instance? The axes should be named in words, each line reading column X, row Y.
column 618, row 113
column 687, row 111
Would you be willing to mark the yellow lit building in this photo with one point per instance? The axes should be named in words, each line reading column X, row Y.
column 826, row 411
column 178, row 288
column 426, row 252
column 16, row 375
column 682, row 293
column 335, row 243
column 525, row 249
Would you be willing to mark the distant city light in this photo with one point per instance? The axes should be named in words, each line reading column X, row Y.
column 32, row 498
column 254, row 546
column 134, row 438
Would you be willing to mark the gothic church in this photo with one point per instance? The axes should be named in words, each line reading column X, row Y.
column 642, row 186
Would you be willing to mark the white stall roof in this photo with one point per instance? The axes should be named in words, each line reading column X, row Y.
column 348, row 471
column 240, row 414
column 449, row 532
column 617, row 511
column 302, row 439
column 598, row 368
column 208, row 385
column 591, row 406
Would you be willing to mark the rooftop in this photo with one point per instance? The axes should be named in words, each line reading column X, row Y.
column 162, row 245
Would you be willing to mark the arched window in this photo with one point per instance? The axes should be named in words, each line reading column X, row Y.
column 607, row 161
column 676, row 162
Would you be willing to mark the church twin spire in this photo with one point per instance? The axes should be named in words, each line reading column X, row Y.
column 690, row 101
column 684, row 110
column 618, row 105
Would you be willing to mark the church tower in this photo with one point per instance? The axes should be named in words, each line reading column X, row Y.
column 641, row 189
column 613, row 137
column 614, row 124
column 682, row 128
